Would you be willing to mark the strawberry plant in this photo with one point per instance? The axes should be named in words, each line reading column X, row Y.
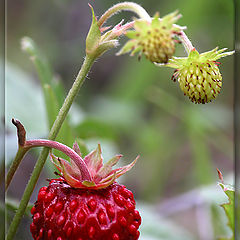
column 86, row 202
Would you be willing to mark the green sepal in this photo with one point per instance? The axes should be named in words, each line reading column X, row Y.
column 132, row 34
column 94, row 35
column 127, row 47
column 88, row 184
column 194, row 56
column 104, row 46
column 170, row 19
column 82, row 145
column 137, row 49
column 141, row 25
column 155, row 22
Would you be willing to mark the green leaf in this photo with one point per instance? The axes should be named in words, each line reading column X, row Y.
column 43, row 69
column 229, row 208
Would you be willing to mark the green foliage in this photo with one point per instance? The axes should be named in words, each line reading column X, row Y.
column 229, row 209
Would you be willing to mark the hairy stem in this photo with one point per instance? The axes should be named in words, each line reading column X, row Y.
column 19, row 156
column 44, row 153
column 186, row 42
column 66, row 150
column 127, row 6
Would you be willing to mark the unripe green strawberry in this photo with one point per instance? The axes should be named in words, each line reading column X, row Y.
column 198, row 74
column 154, row 39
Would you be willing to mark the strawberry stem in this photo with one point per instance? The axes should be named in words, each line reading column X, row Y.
column 127, row 6
column 66, row 150
column 186, row 42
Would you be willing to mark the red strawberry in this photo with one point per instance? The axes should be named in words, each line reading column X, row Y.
column 78, row 209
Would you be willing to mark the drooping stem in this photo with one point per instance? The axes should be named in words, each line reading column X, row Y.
column 44, row 153
column 127, row 6
column 64, row 149
column 186, row 42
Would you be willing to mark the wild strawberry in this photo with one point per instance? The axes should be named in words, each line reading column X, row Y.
column 198, row 74
column 154, row 39
column 77, row 209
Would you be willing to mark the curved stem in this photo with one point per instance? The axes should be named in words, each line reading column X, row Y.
column 44, row 153
column 186, row 42
column 66, row 150
column 127, row 6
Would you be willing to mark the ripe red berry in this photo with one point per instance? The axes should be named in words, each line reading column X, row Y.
column 96, row 208
column 75, row 214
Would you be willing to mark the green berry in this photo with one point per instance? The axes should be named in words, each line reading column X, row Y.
column 155, row 39
column 200, row 82
column 198, row 74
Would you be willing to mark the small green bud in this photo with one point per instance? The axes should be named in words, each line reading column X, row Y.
column 94, row 35
column 153, row 39
column 198, row 74
column 96, row 43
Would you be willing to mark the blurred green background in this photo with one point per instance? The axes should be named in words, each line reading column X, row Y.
column 131, row 107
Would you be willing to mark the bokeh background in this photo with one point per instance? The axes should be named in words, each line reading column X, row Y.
column 131, row 107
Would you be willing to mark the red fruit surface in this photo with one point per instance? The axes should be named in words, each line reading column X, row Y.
column 65, row 213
